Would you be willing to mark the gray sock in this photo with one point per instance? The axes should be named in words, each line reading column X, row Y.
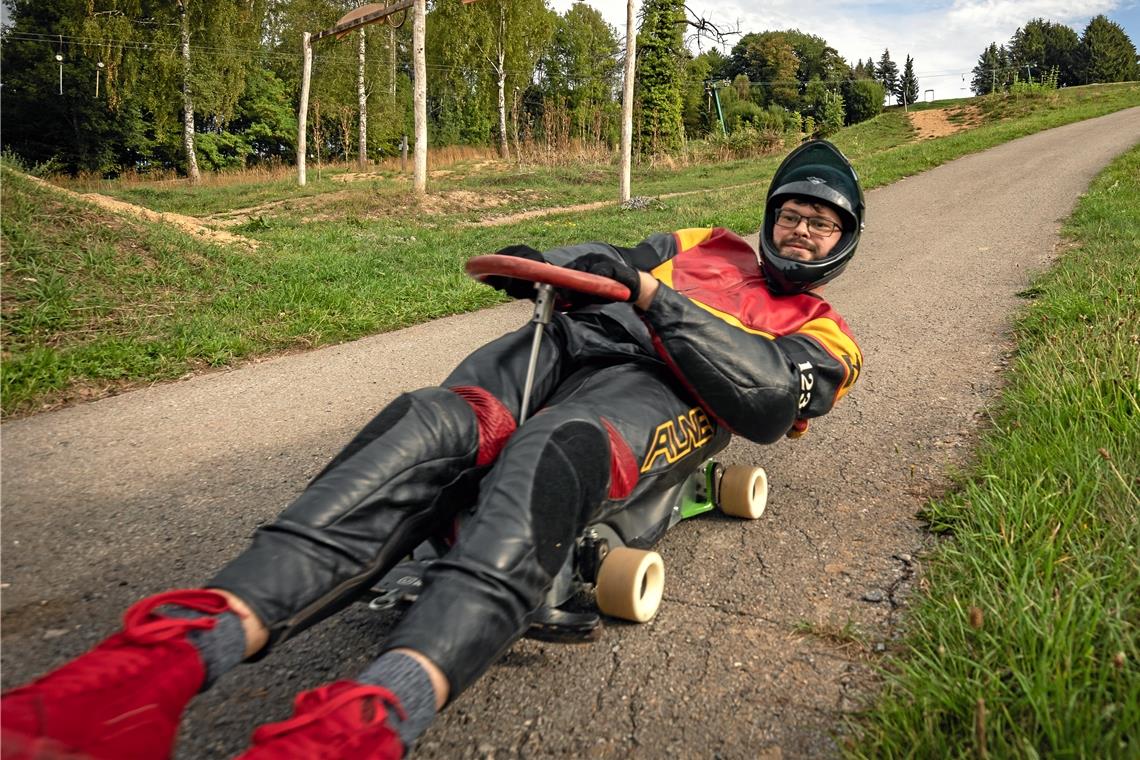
column 407, row 679
column 221, row 647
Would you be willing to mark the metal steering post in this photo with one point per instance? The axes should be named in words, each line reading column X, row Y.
column 543, row 309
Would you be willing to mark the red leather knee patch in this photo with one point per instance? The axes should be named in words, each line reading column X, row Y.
column 623, row 465
column 496, row 425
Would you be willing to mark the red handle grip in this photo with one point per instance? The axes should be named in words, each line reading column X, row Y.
column 497, row 264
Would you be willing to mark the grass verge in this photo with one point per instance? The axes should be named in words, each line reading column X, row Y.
column 1026, row 642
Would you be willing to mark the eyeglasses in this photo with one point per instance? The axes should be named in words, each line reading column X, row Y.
column 818, row 226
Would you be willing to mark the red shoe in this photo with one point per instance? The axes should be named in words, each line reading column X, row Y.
column 341, row 720
column 123, row 700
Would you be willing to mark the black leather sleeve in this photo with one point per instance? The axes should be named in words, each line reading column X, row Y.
column 647, row 254
column 754, row 385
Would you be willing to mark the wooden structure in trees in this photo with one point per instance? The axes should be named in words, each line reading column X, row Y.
column 353, row 20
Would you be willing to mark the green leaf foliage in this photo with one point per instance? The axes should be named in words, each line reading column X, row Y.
column 660, row 51
column 863, row 99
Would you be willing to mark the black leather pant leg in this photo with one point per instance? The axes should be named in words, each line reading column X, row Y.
column 402, row 478
column 478, row 600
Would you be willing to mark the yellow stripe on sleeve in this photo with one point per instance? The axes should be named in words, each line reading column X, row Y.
column 840, row 345
column 664, row 272
column 693, row 236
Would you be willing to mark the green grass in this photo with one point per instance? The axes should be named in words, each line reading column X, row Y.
column 1027, row 643
column 101, row 302
column 94, row 302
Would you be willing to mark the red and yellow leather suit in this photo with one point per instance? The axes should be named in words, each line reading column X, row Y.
column 627, row 401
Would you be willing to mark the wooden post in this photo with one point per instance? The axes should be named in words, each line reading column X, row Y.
column 403, row 154
column 419, row 98
column 303, row 110
column 627, row 102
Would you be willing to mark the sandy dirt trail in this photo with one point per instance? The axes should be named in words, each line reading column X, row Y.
column 108, row 501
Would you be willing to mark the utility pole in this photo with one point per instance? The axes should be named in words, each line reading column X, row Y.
column 303, row 112
column 627, row 102
column 419, row 96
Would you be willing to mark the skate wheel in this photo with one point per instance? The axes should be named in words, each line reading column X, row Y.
column 743, row 491
column 630, row 584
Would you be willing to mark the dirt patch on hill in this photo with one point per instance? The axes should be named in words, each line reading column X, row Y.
column 187, row 224
column 940, row 122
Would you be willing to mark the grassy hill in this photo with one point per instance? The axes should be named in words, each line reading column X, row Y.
column 96, row 302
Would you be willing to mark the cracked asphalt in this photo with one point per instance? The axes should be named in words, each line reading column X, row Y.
column 109, row 501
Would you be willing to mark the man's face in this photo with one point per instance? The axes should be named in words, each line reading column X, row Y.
column 801, row 242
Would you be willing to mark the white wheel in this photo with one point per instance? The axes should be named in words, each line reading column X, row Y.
column 743, row 491
column 630, row 584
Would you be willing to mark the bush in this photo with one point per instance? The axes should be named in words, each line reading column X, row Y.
column 863, row 99
column 221, row 150
column 742, row 113
column 745, row 142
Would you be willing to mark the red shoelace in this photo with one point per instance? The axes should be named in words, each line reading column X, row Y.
column 316, row 697
column 143, row 626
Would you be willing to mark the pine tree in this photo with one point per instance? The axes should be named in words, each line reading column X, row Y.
column 907, row 91
column 888, row 73
column 985, row 79
column 1108, row 53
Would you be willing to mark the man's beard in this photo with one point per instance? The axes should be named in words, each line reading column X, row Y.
column 802, row 243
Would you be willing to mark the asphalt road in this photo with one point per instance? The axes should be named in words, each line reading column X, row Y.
column 109, row 501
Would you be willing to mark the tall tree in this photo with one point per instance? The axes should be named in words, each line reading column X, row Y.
column 47, row 119
column 660, row 56
column 1109, row 54
column 477, row 49
column 1062, row 52
column 907, row 91
column 817, row 59
column 771, row 63
column 581, row 66
column 187, row 97
column 888, row 73
column 986, row 72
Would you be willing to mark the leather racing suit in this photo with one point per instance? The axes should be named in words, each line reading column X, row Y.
column 627, row 401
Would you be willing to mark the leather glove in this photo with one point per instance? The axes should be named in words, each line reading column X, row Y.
column 512, row 286
column 603, row 266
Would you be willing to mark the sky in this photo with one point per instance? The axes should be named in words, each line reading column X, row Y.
column 945, row 39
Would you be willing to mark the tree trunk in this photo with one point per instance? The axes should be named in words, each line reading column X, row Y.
column 419, row 99
column 627, row 102
column 187, row 101
column 501, row 75
column 362, row 100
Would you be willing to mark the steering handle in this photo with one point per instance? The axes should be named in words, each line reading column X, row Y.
column 499, row 265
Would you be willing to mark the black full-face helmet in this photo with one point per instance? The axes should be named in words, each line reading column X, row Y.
column 818, row 171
